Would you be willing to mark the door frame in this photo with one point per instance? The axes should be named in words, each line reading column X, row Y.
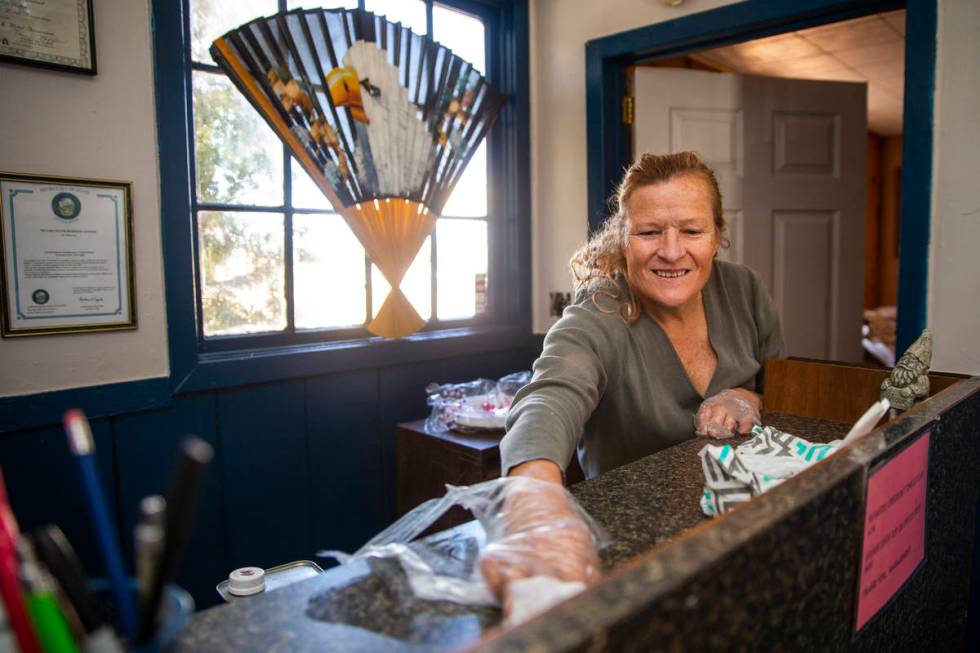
column 607, row 136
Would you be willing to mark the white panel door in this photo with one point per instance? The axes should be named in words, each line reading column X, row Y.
column 790, row 160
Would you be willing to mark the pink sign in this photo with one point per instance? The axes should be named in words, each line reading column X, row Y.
column 894, row 527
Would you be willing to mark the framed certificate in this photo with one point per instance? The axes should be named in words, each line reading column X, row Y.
column 49, row 33
column 67, row 255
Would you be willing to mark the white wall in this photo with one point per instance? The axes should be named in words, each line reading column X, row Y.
column 954, row 259
column 99, row 127
column 559, row 31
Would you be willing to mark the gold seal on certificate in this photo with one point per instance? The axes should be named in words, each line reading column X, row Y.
column 66, row 254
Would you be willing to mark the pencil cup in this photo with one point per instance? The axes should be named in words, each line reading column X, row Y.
column 175, row 610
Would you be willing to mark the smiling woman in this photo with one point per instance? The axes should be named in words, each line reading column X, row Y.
column 658, row 325
column 662, row 343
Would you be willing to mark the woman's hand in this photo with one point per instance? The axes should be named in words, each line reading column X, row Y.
column 729, row 412
column 542, row 535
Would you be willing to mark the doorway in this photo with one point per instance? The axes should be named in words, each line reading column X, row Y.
column 804, row 130
column 607, row 60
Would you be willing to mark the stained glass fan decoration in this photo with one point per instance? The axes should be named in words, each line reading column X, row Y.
column 382, row 119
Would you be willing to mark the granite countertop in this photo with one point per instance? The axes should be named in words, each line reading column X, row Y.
column 362, row 607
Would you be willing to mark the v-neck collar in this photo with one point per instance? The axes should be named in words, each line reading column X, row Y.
column 710, row 324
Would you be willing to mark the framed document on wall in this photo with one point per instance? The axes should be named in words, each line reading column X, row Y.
column 48, row 33
column 67, row 255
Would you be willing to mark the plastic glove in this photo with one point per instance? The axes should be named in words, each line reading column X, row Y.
column 540, row 534
column 726, row 413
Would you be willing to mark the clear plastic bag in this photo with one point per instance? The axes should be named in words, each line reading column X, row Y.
column 443, row 569
column 479, row 405
column 510, row 384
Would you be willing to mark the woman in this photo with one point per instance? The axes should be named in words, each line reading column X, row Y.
column 663, row 342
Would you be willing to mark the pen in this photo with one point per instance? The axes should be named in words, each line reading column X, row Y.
column 52, row 549
column 56, row 553
column 83, row 448
column 182, row 497
column 148, row 541
column 13, row 598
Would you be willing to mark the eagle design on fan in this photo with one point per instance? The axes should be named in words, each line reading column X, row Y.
column 383, row 120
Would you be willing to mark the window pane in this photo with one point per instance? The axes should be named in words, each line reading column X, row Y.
column 239, row 159
column 328, row 273
column 212, row 18
column 411, row 13
column 469, row 198
column 242, row 276
column 461, row 33
column 465, row 36
column 461, row 264
column 417, row 284
column 306, row 194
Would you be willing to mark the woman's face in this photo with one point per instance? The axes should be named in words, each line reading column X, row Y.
column 671, row 242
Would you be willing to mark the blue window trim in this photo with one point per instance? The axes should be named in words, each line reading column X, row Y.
column 509, row 154
column 607, row 57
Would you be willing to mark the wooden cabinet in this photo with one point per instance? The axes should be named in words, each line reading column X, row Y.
column 426, row 462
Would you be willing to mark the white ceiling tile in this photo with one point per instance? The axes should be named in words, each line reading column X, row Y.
column 770, row 68
column 883, row 71
column 867, row 49
column 896, row 20
column 784, row 46
column 816, row 67
column 879, row 52
column 851, row 34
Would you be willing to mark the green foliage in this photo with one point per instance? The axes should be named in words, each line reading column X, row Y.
column 230, row 164
column 246, row 302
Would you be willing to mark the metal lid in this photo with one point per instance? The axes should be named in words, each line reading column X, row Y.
column 246, row 581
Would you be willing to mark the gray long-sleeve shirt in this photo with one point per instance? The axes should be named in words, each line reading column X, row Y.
column 620, row 392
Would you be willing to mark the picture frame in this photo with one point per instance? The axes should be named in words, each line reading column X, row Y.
column 55, row 34
column 66, row 255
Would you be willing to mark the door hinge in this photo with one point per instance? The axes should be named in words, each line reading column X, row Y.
column 628, row 110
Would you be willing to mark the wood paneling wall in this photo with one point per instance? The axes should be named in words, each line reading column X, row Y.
column 828, row 390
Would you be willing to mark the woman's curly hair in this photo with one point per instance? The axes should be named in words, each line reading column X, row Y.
column 597, row 264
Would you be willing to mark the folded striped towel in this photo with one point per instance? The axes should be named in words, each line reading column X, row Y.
column 733, row 475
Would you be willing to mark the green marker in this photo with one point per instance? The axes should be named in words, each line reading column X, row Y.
column 51, row 626
column 49, row 622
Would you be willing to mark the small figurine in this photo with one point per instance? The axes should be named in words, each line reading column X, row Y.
column 909, row 380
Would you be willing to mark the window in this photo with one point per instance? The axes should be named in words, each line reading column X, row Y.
column 274, row 262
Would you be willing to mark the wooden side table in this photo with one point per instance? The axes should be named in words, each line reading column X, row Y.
column 426, row 462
